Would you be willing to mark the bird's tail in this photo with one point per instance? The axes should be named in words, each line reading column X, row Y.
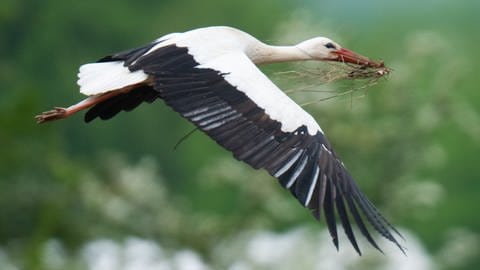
column 102, row 77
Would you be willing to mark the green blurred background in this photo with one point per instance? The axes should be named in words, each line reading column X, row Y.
column 115, row 195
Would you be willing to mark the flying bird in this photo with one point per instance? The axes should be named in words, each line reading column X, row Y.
column 210, row 76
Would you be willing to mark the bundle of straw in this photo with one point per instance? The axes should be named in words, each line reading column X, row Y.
column 311, row 78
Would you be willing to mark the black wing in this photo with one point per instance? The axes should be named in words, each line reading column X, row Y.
column 305, row 164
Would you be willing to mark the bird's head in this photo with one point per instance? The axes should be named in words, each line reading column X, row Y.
column 325, row 49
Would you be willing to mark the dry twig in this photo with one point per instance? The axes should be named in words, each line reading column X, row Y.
column 313, row 77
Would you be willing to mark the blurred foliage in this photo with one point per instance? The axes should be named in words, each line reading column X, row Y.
column 411, row 141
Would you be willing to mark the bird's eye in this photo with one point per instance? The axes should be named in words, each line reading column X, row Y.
column 330, row 46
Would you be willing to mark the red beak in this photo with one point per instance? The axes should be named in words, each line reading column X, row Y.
column 348, row 56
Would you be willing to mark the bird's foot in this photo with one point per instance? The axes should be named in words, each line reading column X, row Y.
column 55, row 114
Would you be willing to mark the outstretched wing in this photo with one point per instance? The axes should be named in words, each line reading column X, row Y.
column 233, row 102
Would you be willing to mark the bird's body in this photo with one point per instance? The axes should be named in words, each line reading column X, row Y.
column 209, row 76
column 221, row 46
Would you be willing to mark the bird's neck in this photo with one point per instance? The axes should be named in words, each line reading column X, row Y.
column 266, row 54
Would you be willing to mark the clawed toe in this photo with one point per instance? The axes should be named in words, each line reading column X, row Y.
column 55, row 114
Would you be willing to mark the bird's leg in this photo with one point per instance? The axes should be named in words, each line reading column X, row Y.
column 60, row 113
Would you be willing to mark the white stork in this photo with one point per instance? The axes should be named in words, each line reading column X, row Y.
column 209, row 76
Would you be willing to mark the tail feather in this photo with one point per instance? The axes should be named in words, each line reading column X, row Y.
column 98, row 78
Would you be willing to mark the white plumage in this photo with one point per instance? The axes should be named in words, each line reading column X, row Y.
column 246, row 77
column 98, row 78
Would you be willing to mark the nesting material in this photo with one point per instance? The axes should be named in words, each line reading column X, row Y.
column 366, row 72
column 320, row 79
column 337, row 72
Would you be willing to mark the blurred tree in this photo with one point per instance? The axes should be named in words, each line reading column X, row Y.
column 411, row 141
